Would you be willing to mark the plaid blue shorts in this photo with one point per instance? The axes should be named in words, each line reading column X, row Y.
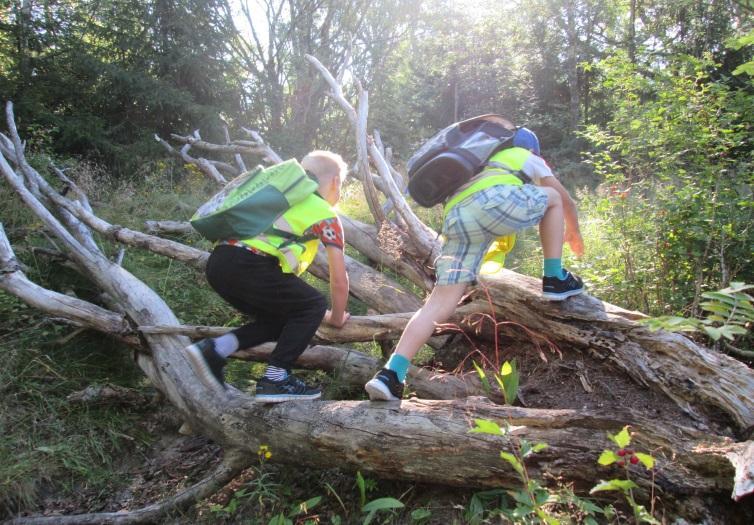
column 472, row 225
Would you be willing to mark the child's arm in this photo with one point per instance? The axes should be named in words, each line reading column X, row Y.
column 570, row 214
column 338, row 287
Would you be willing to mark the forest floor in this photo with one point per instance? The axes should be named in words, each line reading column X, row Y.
column 172, row 461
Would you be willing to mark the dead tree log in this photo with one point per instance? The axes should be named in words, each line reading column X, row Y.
column 691, row 375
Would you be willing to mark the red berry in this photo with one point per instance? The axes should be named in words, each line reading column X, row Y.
column 629, row 452
column 622, row 452
column 634, row 460
column 621, row 463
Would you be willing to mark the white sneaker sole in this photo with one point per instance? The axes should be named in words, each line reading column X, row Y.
column 378, row 391
column 279, row 398
column 563, row 295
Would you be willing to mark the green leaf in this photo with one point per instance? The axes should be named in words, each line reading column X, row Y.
column 588, row 506
column 645, row 516
column 646, row 460
column 731, row 330
column 280, row 519
column 527, row 449
column 382, row 504
column 305, row 506
column 483, row 378
column 714, row 333
column 614, row 484
column 508, row 381
column 541, row 496
column 513, row 460
column 720, row 297
column 522, row 511
column 362, row 487
column 716, row 308
column 608, row 457
column 622, row 438
column 485, row 426
column 539, row 447
column 421, row 514
column 522, row 496
column 738, row 286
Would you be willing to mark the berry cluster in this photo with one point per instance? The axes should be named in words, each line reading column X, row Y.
column 627, row 453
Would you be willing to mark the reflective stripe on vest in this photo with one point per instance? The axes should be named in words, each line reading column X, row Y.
column 501, row 170
column 286, row 240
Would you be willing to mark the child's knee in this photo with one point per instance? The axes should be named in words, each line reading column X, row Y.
column 553, row 197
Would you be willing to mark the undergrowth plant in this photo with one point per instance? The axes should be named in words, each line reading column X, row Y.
column 47, row 444
column 533, row 502
column 729, row 317
column 627, row 459
column 536, row 503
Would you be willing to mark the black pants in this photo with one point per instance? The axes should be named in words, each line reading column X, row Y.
column 283, row 307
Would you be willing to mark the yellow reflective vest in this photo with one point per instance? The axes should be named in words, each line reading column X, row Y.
column 286, row 240
column 501, row 169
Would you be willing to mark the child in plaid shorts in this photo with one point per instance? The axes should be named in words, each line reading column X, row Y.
column 493, row 204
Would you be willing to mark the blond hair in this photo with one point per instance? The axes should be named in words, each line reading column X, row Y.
column 325, row 164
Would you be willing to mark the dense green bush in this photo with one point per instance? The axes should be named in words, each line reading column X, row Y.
column 676, row 205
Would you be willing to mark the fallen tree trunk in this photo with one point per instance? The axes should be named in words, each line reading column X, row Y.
column 429, row 441
column 356, row 368
column 693, row 376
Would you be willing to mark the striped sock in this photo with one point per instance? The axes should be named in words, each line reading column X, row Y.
column 398, row 364
column 274, row 373
column 226, row 344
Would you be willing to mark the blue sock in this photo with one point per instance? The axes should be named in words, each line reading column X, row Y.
column 553, row 268
column 398, row 364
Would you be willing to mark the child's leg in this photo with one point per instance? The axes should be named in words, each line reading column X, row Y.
column 388, row 383
column 440, row 305
column 551, row 226
column 557, row 283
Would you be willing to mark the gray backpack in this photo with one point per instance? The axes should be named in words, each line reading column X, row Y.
column 454, row 155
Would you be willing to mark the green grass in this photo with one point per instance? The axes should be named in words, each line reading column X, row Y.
column 46, row 443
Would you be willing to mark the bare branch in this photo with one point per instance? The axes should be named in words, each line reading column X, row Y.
column 82, row 313
column 269, row 153
column 208, row 167
column 237, row 156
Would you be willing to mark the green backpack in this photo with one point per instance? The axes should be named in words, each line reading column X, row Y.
column 253, row 201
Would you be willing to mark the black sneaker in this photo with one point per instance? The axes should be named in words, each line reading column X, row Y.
column 384, row 386
column 289, row 389
column 556, row 289
column 207, row 362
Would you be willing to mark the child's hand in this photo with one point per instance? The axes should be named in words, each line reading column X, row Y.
column 575, row 241
column 337, row 323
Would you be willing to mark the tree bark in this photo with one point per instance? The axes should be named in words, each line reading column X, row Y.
column 694, row 377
